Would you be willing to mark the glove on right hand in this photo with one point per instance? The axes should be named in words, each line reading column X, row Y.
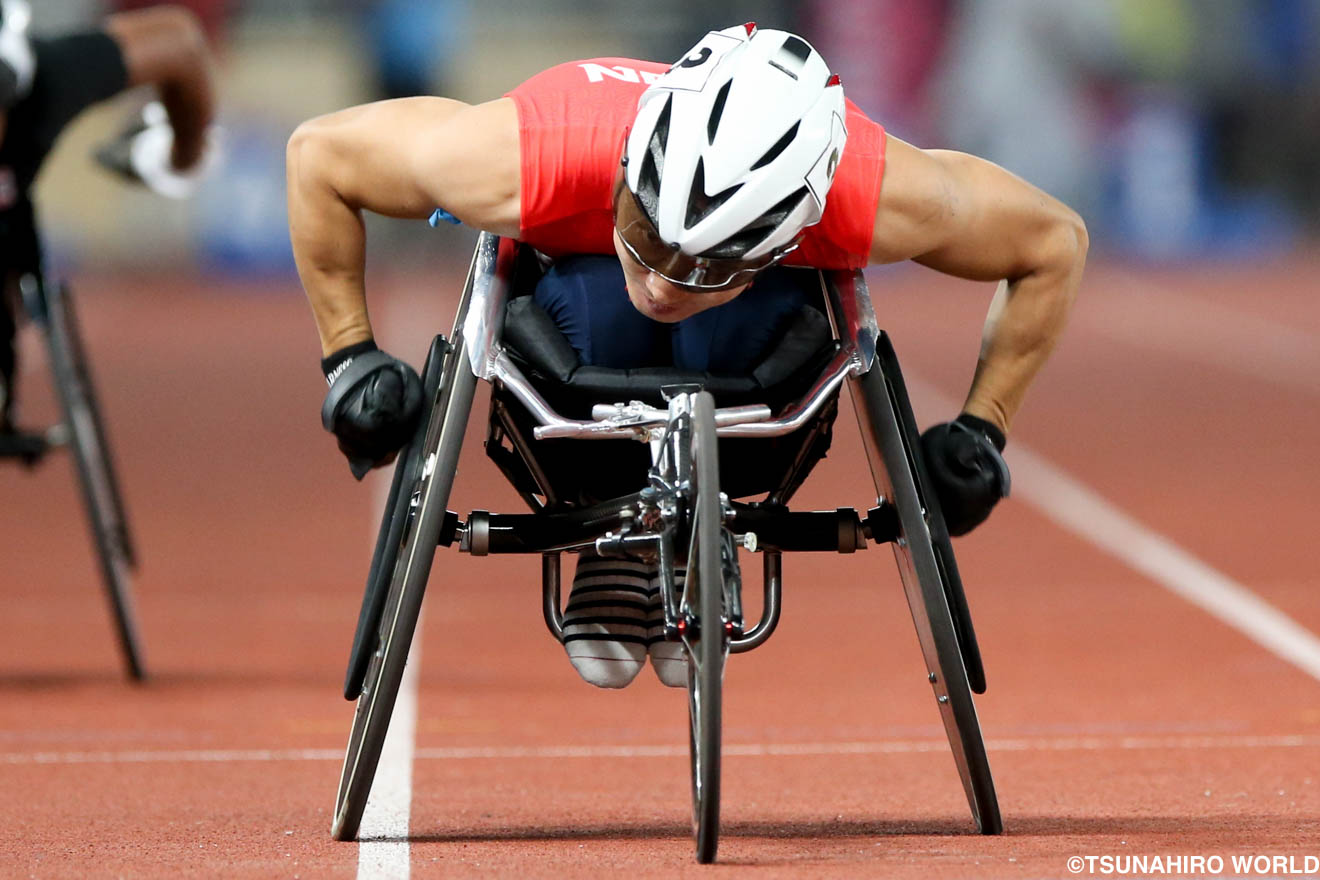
column 141, row 154
column 18, row 64
column 372, row 407
column 967, row 470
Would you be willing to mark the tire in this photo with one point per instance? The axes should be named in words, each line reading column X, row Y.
column 426, row 496
column 703, row 596
column 95, row 470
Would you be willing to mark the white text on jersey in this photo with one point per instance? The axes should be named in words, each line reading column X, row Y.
column 597, row 73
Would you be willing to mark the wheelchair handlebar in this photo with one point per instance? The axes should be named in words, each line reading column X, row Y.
column 638, row 420
column 642, row 415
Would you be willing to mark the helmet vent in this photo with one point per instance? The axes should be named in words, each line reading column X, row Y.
column 700, row 206
column 717, row 111
column 779, row 147
column 653, row 164
column 740, row 243
column 792, row 56
column 797, row 48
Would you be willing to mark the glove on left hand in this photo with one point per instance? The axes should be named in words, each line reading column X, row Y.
column 970, row 476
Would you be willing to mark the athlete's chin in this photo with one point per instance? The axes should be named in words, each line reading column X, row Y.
column 664, row 313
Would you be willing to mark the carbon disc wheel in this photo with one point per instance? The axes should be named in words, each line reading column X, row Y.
column 417, row 536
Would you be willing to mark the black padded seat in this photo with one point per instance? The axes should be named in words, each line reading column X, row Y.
column 583, row 472
column 783, row 375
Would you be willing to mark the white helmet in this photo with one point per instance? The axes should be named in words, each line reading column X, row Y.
column 734, row 148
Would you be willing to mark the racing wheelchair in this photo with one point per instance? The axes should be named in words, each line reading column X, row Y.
column 49, row 306
column 705, row 442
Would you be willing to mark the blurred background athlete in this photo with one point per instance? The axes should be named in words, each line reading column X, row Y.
column 46, row 82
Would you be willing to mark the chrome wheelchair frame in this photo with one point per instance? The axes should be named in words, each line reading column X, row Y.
column 677, row 518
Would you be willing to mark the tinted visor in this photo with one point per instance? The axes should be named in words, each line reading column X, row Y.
column 697, row 274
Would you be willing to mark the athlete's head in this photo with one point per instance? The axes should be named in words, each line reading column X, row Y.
column 728, row 160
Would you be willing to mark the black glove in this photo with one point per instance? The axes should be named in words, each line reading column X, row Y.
column 969, row 474
column 372, row 406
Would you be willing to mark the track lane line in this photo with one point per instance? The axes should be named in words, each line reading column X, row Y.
column 384, row 851
column 1080, row 742
column 383, row 846
column 1085, row 513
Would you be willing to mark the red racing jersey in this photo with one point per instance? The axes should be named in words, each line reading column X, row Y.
column 572, row 120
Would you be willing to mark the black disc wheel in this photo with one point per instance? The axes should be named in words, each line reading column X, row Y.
column 930, row 576
column 398, row 514
column 412, row 537
column 705, row 638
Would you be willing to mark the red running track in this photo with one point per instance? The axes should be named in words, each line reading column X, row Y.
column 1121, row 719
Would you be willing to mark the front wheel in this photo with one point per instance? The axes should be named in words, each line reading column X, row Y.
column 706, row 639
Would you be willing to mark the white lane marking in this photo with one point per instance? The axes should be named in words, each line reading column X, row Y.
column 174, row 756
column 383, row 846
column 745, row 750
column 1209, row 333
column 1085, row 513
column 880, row 747
column 383, row 850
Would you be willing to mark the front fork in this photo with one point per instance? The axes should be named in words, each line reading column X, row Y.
column 662, row 525
column 665, row 504
column 680, row 620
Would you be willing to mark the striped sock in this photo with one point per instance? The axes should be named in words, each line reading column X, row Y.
column 668, row 659
column 605, row 621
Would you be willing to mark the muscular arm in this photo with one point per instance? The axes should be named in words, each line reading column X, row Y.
column 400, row 158
column 970, row 218
column 165, row 46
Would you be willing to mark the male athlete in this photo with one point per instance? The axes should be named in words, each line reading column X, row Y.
column 46, row 83
column 697, row 179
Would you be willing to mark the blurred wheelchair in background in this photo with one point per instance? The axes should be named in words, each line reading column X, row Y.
column 652, row 463
column 49, row 306
column 29, row 294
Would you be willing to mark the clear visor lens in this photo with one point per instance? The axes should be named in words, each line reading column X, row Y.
column 653, row 253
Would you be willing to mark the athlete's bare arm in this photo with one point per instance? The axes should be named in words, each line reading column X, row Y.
column 165, row 46
column 401, row 158
column 968, row 217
